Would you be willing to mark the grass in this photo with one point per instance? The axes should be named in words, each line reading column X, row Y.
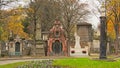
column 12, row 65
column 86, row 63
column 75, row 63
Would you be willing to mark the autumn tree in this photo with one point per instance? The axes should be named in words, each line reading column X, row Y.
column 3, row 23
column 4, row 14
column 15, row 25
column 113, row 18
column 112, row 12
column 12, row 24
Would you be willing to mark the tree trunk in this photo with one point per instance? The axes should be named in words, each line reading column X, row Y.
column 68, row 45
column 34, row 38
column 116, row 40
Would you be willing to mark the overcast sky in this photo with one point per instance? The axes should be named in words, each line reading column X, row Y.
column 93, row 5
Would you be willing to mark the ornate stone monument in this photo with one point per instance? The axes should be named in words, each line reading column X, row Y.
column 39, row 48
column 15, row 47
column 77, row 50
column 82, row 40
column 57, row 42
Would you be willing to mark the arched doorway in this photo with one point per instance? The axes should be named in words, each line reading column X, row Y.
column 17, row 48
column 57, row 47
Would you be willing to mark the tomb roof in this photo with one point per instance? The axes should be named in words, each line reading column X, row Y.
column 84, row 24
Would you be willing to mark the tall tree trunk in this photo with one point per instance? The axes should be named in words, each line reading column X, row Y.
column 116, row 40
column 34, row 37
column 68, row 44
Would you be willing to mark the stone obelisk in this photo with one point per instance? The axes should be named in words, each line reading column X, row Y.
column 39, row 50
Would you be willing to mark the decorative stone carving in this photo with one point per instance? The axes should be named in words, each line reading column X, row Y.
column 57, row 43
column 82, row 39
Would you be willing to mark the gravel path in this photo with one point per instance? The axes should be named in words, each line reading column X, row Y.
column 18, row 60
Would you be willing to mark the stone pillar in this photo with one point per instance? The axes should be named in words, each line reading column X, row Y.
column 38, row 31
column 103, row 38
column 39, row 50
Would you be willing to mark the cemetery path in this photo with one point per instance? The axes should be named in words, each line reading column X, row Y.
column 8, row 61
column 4, row 61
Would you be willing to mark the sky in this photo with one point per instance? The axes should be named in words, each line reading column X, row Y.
column 16, row 4
column 95, row 14
column 93, row 5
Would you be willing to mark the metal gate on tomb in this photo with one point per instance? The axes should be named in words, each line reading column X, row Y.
column 57, row 42
column 17, row 48
column 57, row 47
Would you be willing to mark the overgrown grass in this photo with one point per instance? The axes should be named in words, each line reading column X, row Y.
column 86, row 63
column 12, row 65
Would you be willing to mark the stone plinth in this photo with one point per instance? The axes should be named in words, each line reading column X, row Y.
column 39, row 48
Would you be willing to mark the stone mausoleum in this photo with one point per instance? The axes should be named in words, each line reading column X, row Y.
column 57, row 42
column 19, row 47
column 15, row 47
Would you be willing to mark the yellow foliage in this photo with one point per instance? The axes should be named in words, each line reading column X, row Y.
column 12, row 23
column 31, row 10
column 15, row 25
column 4, row 36
column 113, row 12
column 110, row 30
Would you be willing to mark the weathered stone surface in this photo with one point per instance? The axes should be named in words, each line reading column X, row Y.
column 39, row 50
column 83, row 37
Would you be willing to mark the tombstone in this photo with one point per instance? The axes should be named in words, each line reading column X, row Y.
column 57, row 43
column 82, row 40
